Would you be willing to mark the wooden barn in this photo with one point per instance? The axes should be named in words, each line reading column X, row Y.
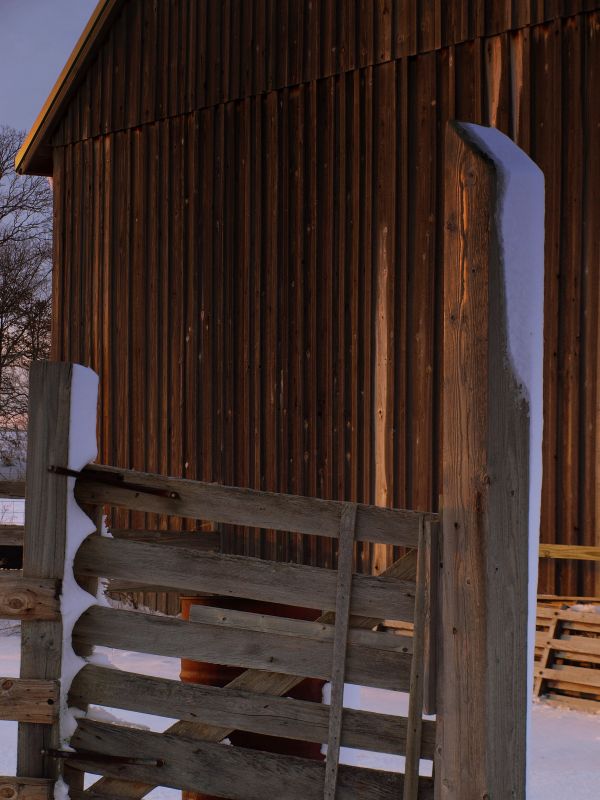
column 249, row 250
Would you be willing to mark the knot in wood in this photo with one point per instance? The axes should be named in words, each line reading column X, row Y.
column 6, row 685
column 7, row 791
column 18, row 602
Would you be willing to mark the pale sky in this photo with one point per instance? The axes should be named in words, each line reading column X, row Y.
column 36, row 39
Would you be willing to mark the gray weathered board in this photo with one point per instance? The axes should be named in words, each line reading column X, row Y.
column 242, row 639
column 248, row 711
column 193, row 570
column 255, row 681
column 232, row 772
column 237, row 506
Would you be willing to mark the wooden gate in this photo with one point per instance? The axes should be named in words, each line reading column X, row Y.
column 277, row 653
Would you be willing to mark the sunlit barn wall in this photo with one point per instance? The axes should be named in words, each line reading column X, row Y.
column 251, row 254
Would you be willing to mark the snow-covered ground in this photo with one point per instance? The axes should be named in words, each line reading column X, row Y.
column 565, row 747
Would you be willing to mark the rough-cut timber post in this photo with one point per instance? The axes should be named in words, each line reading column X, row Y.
column 45, row 541
column 482, row 678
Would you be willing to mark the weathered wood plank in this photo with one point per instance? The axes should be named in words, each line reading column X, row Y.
column 340, row 643
column 544, row 657
column 415, row 702
column 192, row 570
column 581, row 617
column 13, row 490
column 28, row 700
column 565, row 599
column 431, row 619
column 576, row 703
column 485, row 544
column 29, row 598
column 233, row 505
column 570, row 551
column 259, row 682
column 50, row 394
column 11, row 535
column 232, row 772
column 577, row 644
column 560, row 673
column 249, row 640
column 26, row 788
column 201, row 540
column 45, row 534
column 231, row 708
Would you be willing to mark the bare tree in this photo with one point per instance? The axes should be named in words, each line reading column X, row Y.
column 25, row 264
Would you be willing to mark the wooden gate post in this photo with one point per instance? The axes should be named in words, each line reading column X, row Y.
column 483, row 694
column 51, row 396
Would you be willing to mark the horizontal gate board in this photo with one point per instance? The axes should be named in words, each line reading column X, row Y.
column 238, row 506
column 242, row 640
column 230, row 708
column 292, row 584
column 228, row 771
column 257, row 681
column 201, row 540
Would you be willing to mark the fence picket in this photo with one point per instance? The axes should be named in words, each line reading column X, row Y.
column 340, row 643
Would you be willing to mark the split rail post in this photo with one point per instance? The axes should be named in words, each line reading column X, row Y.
column 50, row 386
column 482, row 679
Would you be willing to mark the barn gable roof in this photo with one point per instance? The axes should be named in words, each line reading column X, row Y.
column 35, row 155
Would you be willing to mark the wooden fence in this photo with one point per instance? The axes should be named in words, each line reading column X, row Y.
column 568, row 657
column 276, row 652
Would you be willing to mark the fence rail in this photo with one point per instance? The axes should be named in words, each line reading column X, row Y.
column 140, row 491
column 12, row 490
column 570, row 551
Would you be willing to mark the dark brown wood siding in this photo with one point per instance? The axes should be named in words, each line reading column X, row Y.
column 214, row 51
column 258, row 282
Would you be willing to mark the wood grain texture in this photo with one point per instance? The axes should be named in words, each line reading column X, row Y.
column 237, row 506
column 267, row 683
column 26, row 788
column 417, row 674
column 230, row 771
column 226, row 58
column 568, row 551
column 29, row 700
column 11, row 535
column 340, row 648
column 249, row 640
column 231, row 708
column 29, row 598
column 193, row 570
column 482, row 686
column 12, row 489
column 45, row 542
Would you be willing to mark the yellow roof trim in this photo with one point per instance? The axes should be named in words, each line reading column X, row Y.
column 35, row 155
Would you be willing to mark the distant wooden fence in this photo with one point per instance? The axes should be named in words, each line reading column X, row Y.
column 277, row 653
column 568, row 657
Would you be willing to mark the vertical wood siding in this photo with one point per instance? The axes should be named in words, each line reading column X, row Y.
column 214, row 51
column 259, row 282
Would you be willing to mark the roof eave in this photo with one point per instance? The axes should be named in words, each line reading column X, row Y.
column 35, row 155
